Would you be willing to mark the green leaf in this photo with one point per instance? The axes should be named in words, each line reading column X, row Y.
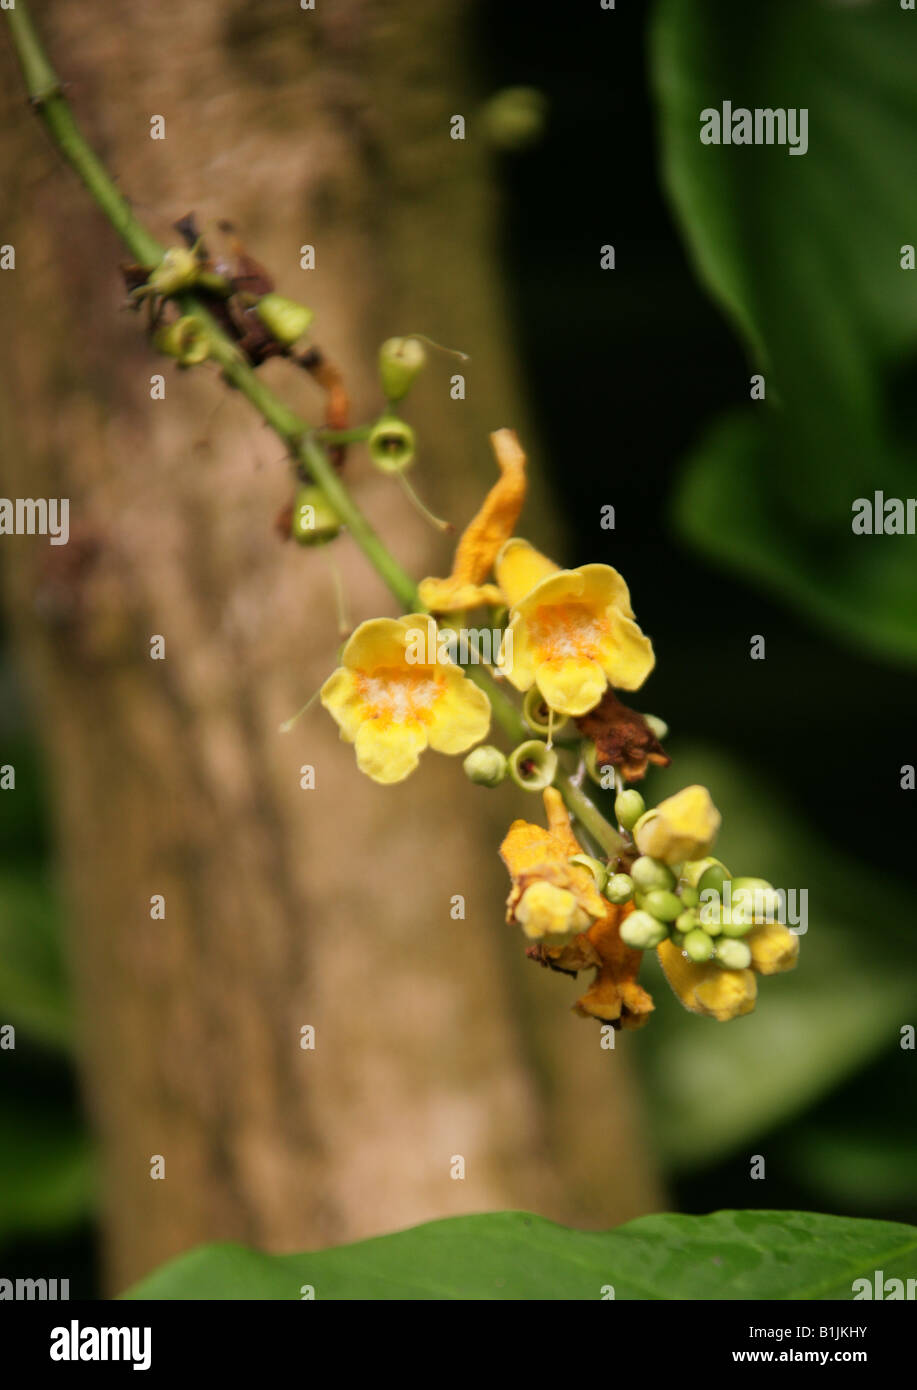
column 715, row 1086
column 511, row 1255
column 803, row 252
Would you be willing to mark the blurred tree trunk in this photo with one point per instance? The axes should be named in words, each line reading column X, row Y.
column 284, row 907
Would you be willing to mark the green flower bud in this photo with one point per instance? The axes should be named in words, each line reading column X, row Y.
column 186, row 339
column 391, row 445
column 657, row 726
column 712, row 880
column 662, row 904
column 733, row 955
column 650, row 873
column 698, row 946
column 736, row 924
column 689, row 896
column 642, row 931
column 314, row 519
column 619, row 888
column 754, row 900
column 594, row 768
column 537, row 714
column 400, row 361
column 629, row 807
column 596, row 868
column 285, row 319
column 687, row 921
column 177, row 271
column 533, row 765
column 486, row 766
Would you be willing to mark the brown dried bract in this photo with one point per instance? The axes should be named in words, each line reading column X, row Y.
column 614, row 996
column 622, row 738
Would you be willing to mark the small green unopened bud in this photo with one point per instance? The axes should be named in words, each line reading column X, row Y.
column 486, row 766
column 596, row 868
column 533, row 765
column 314, row 519
column 642, row 931
column 712, row 880
column 539, row 716
column 736, row 923
column 733, row 955
column 662, row 904
column 629, row 807
column 698, row 946
column 285, row 319
column 514, row 118
column 689, row 896
column 650, row 873
column 687, row 921
column 400, row 362
column 185, row 339
column 177, row 271
column 657, row 726
column 391, row 445
column 619, row 888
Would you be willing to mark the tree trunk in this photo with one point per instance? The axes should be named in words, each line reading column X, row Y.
column 284, row 907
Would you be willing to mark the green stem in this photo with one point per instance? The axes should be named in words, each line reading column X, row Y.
column 46, row 95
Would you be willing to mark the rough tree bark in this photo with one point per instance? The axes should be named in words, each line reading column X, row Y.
column 284, row 907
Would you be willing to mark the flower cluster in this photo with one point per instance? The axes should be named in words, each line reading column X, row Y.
column 588, row 892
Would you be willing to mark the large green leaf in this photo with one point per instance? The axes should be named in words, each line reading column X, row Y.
column 803, row 253
column 714, row 1086
column 510, row 1255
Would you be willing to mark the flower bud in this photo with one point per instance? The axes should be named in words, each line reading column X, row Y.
column 314, row 519
column 689, row 896
column 619, row 888
column 400, row 362
column 391, row 445
column 773, row 948
column 657, row 726
column 629, row 807
column 533, row 765
column 642, row 931
column 177, row 271
column 650, row 873
column 712, row 880
column 662, row 904
column 285, row 319
column 596, row 868
column 687, row 921
column 486, row 766
column 733, row 955
column 698, row 946
column 186, row 339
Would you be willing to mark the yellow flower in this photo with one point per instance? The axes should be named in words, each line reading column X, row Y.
column 483, row 537
column 550, row 897
column 708, row 989
column 682, row 827
column 774, row 948
column 392, row 707
column 571, row 632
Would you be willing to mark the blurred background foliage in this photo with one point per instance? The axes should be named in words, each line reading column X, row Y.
column 732, row 519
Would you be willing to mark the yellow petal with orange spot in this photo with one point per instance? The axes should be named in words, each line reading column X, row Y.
column 460, row 715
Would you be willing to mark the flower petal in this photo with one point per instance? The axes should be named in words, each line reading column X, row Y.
column 626, row 653
column 461, row 714
column 573, row 685
column 519, row 568
column 378, row 642
column 343, row 701
column 774, row 948
column 389, row 752
column 708, row 989
column 517, row 657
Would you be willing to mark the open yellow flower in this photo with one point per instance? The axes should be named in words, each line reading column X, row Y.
column 682, row 827
column 572, row 631
column 483, row 536
column 391, row 707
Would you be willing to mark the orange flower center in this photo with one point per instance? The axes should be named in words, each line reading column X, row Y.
column 561, row 630
column 396, row 695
